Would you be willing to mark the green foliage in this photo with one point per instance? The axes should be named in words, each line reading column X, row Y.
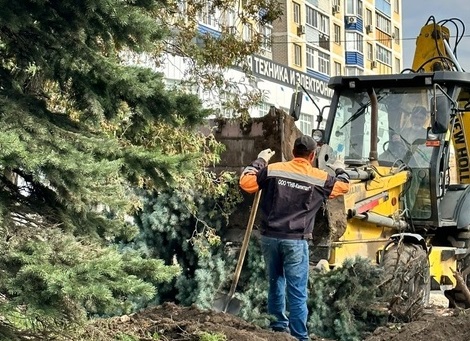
column 125, row 337
column 73, row 147
column 183, row 227
column 76, row 117
column 205, row 336
column 82, row 130
column 57, row 279
column 253, row 287
column 343, row 302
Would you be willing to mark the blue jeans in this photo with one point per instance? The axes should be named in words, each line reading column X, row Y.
column 287, row 268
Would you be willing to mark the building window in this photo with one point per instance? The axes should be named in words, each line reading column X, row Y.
column 353, row 71
column 384, row 24
column 396, row 6
column 297, row 55
column 230, row 18
column 397, row 65
column 396, row 35
column 182, row 7
column 208, row 15
column 323, row 63
column 337, row 30
column 337, row 69
column 310, row 57
column 220, row 103
column 384, row 55
column 317, row 20
column 369, row 17
column 354, row 42
column 247, row 32
column 370, row 51
column 306, row 124
column 263, row 109
column 266, row 35
column 296, row 13
column 354, row 7
column 324, row 24
column 311, row 17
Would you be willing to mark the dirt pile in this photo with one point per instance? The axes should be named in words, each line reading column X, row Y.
column 436, row 324
column 172, row 322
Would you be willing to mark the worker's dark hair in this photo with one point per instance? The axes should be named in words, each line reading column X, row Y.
column 302, row 153
column 304, row 146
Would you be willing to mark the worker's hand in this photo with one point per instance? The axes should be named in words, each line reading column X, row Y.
column 266, row 154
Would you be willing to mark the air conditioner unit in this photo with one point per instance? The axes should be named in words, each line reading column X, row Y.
column 368, row 29
column 351, row 19
column 300, row 30
column 373, row 64
column 393, row 35
column 336, row 9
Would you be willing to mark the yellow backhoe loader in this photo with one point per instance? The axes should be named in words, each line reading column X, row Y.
column 405, row 140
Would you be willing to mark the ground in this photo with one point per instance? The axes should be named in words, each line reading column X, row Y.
column 434, row 325
column 172, row 322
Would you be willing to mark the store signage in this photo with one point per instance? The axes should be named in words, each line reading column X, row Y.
column 267, row 69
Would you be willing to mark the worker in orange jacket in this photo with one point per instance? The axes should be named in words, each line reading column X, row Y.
column 293, row 192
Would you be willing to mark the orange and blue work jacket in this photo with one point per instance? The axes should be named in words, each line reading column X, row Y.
column 293, row 192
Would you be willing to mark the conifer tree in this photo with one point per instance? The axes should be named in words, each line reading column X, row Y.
column 73, row 145
column 81, row 129
column 344, row 302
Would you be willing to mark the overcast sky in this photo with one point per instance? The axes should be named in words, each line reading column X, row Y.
column 416, row 13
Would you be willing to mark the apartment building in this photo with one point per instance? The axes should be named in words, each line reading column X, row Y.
column 313, row 41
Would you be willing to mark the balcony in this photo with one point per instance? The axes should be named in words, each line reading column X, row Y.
column 353, row 22
column 354, row 58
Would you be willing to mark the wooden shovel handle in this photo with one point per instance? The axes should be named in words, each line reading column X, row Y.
column 246, row 240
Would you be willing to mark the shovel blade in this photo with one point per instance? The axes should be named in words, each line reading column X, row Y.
column 227, row 304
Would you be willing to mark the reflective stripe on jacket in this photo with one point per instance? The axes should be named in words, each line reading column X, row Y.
column 293, row 192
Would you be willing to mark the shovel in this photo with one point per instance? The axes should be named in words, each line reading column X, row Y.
column 225, row 302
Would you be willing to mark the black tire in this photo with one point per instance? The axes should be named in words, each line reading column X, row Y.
column 406, row 281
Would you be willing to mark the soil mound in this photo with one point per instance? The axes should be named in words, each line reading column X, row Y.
column 173, row 322
column 436, row 324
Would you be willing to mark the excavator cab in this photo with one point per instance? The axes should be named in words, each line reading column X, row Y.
column 403, row 118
